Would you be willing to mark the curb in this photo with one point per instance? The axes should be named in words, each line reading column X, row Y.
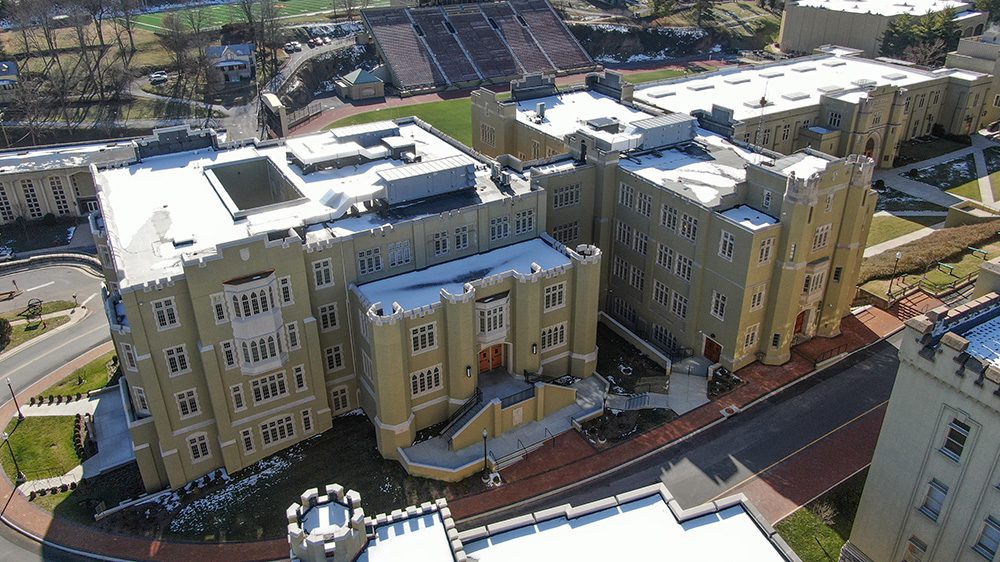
column 74, row 319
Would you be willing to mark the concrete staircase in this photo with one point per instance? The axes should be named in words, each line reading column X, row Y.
column 644, row 401
column 694, row 365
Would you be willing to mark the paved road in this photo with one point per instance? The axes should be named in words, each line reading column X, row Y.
column 27, row 366
column 712, row 463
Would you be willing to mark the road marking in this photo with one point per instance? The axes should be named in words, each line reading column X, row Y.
column 90, row 298
column 40, row 286
column 800, row 449
column 64, row 344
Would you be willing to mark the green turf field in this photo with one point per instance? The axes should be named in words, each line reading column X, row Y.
column 218, row 15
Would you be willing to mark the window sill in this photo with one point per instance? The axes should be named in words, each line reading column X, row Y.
column 949, row 455
column 928, row 514
column 983, row 552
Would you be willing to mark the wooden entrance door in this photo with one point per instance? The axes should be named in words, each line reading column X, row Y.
column 712, row 350
column 491, row 358
column 800, row 322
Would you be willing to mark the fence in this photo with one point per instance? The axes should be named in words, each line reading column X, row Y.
column 306, row 113
column 66, row 258
column 517, row 397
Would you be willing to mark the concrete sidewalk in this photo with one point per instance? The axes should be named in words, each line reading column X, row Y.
column 900, row 240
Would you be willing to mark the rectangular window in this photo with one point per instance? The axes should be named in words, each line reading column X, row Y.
column 322, row 273
column 767, row 199
column 268, row 388
column 684, row 267
column 644, row 204
column 661, row 293
column 838, row 272
column 829, row 202
column 764, row 254
column 334, row 358
column 307, row 421
column 427, row 380
column 492, row 319
column 277, row 430
column 423, row 338
column 219, row 308
column 399, row 253
column 821, row 237
column 165, row 312
column 187, row 403
column 228, row 354
column 367, row 367
column 954, row 441
column 620, row 268
column 678, row 304
column 339, row 400
column 757, row 298
column 668, row 217
column 328, row 317
column 461, row 238
column 626, row 195
column 665, row 257
column 292, row 329
column 785, row 132
column 198, row 446
column 718, row 305
column 727, row 243
column 247, row 437
column 128, row 358
column 623, row 310
column 139, row 400
column 31, row 198
column 623, row 233
column 637, row 278
column 524, row 221
column 689, row 227
column 554, row 296
column 915, row 550
column 664, row 338
column 285, row 290
column 750, row 336
column 299, row 377
column 487, row 134
column 833, row 119
column 566, row 196
column 440, row 243
column 640, row 243
column 554, row 336
column 369, row 261
column 6, row 210
column 177, row 360
column 236, row 391
column 566, row 233
column 363, row 325
column 499, row 228
column 934, row 501
column 766, row 137
column 989, row 538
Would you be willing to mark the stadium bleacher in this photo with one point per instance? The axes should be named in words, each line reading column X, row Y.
column 468, row 44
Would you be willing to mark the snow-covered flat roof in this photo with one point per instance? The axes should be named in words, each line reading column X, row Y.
column 801, row 164
column 326, row 515
column 643, row 529
column 885, row 7
column 984, row 340
column 416, row 538
column 798, row 83
column 749, row 217
column 703, row 171
column 565, row 113
column 420, row 288
column 63, row 156
column 168, row 208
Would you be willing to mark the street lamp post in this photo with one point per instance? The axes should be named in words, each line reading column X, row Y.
column 20, row 475
column 20, row 416
column 486, row 470
column 893, row 277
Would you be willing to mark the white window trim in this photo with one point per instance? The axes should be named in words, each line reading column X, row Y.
column 208, row 449
column 279, row 375
column 139, row 397
column 556, row 288
column 430, row 388
column 219, row 299
column 305, row 378
column 177, row 316
column 187, row 360
column 329, row 265
column 347, row 397
column 336, row 315
column 432, row 330
column 233, row 391
column 291, row 435
column 128, row 352
column 554, row 328
column 197, row 404
column 293, row 327
column 244, row 435
column 326, row 364
column 291, row 293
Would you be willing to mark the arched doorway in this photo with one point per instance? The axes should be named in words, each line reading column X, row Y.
column 870, row 147
column 979, row 30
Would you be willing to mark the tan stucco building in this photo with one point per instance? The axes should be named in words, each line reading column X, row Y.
column 359, row 84
column 703, row 240
column 257, row 290
column 834, row 102
column 808, row 24
column 932, row 490
column 981, row 54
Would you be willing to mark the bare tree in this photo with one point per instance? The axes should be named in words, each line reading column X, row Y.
column 926, row 53
column 175, row 40
column 248, row 9
column 96, row 9
column 270, row 34
column 127, row 11
column 30, row 105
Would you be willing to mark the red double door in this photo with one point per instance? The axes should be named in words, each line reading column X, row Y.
column 491, row 358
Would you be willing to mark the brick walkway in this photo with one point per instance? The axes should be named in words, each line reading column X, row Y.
column 535, row 475
column 338, row 113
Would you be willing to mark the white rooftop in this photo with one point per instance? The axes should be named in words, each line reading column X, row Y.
column 419, row 288
column 794, row 84
column 565, row 113
column 749, row 217
column 416, row 538
column 643, row 529
column 62, row 156
column 801, row 164
column 984, row 341
column 703, row 174
column 885, row 7
column 149, row 205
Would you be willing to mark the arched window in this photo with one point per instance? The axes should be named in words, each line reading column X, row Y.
column 870, row 147
column 246, row 353
column 255, row 351
column 979, row 30
column 263, row 301
column 236, row 307
column 271, row 350
column 270, row 295
column 255, row 301
column 414, row 383
column 246, row 305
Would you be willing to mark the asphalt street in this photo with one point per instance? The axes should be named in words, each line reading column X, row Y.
column 711, row 463
column 32, row 363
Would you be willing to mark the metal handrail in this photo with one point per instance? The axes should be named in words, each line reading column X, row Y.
column 452, row 424
column 517, row 397
column 522, row 451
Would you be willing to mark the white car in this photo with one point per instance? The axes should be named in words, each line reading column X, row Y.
column 158, row 77
column 6, row 253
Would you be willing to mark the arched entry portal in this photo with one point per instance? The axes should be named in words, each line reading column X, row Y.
column 870, row 147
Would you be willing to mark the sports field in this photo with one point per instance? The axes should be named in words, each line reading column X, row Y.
column 219, row 14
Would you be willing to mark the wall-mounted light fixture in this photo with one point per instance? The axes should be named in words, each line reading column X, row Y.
column 534, row 349
column 468, row 371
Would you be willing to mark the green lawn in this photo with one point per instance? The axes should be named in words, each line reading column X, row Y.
column 453, row 117
column 43, row 446
column 817, row 531
column 47, row 307
column 969, row 190
column 640, row 77
column 28, row 331
column 958, row 176
column 221, row 14
column 91, row 376
column 964, row 264
column 107, row 490
column 886, row 228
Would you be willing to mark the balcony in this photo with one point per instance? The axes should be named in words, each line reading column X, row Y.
column 114, row 308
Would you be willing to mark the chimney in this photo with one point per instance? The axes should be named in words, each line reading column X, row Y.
column 540, row 109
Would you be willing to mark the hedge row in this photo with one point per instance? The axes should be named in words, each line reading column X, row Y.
column 918, row 255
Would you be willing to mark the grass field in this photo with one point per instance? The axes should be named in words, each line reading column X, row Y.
column 453, row 117
column 817, row 531
column 221, row 14
column 28, row 331
column 43, row 446
column 91, row 376
column 958, row 176
column 47, row 307
column 886, row 228
column 640, row 77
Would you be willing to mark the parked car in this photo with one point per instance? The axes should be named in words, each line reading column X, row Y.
column 6, row 253
column 327, row 40
column 158, row 77
column 289, row 47
column 296, row 45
